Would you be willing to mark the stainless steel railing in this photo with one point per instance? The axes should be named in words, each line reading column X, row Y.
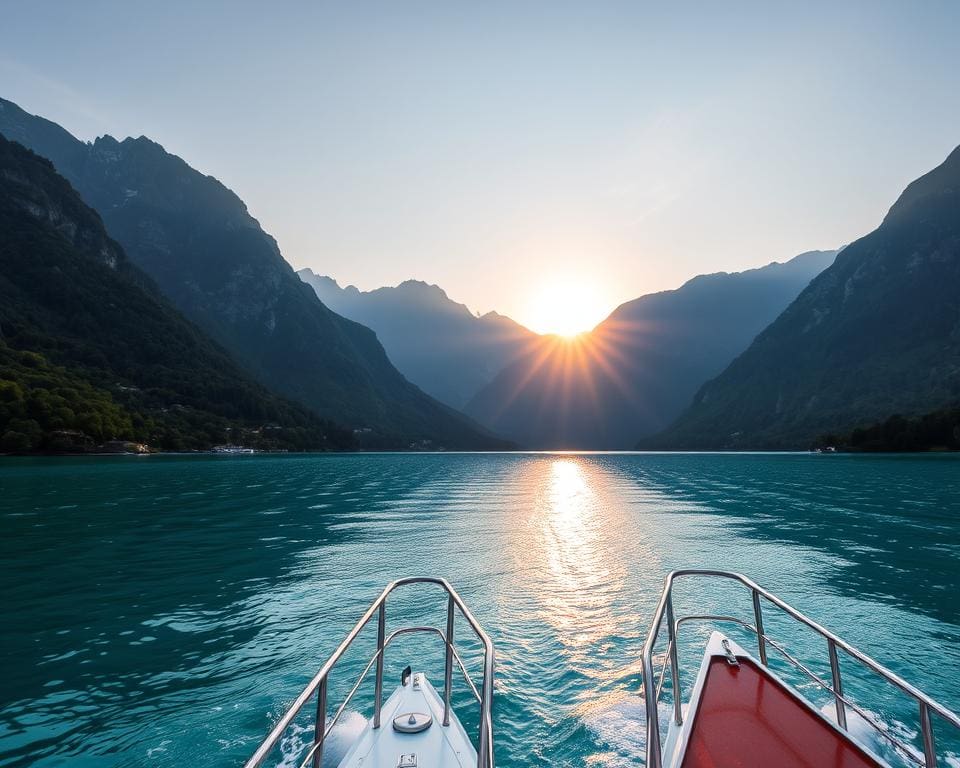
column 319, row 684
column 653, row 686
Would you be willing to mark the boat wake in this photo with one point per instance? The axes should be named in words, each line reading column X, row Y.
column 864, row 732
column 298, row 739
column 620, row 726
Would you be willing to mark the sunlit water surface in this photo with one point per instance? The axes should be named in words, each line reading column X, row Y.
column 161, row 611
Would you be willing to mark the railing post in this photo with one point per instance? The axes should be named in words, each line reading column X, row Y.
column 674, row 663
column 482, row 752
column 837, row 684
column 482, row 757
column 929, row 744
column 448, row 664
column 758, row 623
column 654, row 758
column 321, row 723
column 378, row 689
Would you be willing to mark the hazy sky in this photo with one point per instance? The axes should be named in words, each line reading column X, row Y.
column 496, row 149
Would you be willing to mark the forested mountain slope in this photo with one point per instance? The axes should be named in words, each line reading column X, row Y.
column 90, row 351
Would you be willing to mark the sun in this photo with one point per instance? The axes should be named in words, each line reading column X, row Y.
column 565, row 308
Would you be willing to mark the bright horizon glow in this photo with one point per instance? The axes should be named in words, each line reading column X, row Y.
column 488, row 147
column 564, row 308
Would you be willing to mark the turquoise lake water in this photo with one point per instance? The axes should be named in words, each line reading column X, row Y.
column 161, row 611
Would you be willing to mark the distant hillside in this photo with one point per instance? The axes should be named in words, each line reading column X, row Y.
column 89, row 350
column 211, row 258
column 641, row 367
column 438, row 344
column 876, row 334
column 936, row 431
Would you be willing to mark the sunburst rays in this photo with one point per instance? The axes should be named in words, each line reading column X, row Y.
column 569, row 377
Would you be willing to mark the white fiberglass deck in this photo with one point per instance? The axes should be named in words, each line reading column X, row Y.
column 437, row 746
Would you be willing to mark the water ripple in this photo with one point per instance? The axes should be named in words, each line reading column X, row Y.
column 171, row 607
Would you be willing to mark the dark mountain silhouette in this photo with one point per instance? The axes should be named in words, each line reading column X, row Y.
column 936, row 431
column 196, row 239
column 877, row 334
column 641, row 366
column 90, row 351
column 438, row 344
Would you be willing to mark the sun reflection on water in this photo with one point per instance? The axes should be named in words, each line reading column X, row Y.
column 577, row 532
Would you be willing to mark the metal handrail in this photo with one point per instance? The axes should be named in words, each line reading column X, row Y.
column 318, row 685
column 813, row 676
column 665, row 608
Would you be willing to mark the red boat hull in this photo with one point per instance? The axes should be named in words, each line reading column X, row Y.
column 747, row 719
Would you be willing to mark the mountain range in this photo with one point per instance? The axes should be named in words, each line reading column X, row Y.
column 224, row 338
column 90, row 351
column 876, row 334
column 438, row 344
column 637, row 370
column 212, row 260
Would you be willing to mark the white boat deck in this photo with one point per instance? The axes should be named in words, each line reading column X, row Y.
column 437, row 746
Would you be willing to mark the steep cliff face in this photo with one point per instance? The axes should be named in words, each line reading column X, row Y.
column 30, row 188
column 437, row 343
column 88, row 346
column 876, row 334
column 197, row 240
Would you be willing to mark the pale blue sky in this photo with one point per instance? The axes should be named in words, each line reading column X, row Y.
column 494, row 148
